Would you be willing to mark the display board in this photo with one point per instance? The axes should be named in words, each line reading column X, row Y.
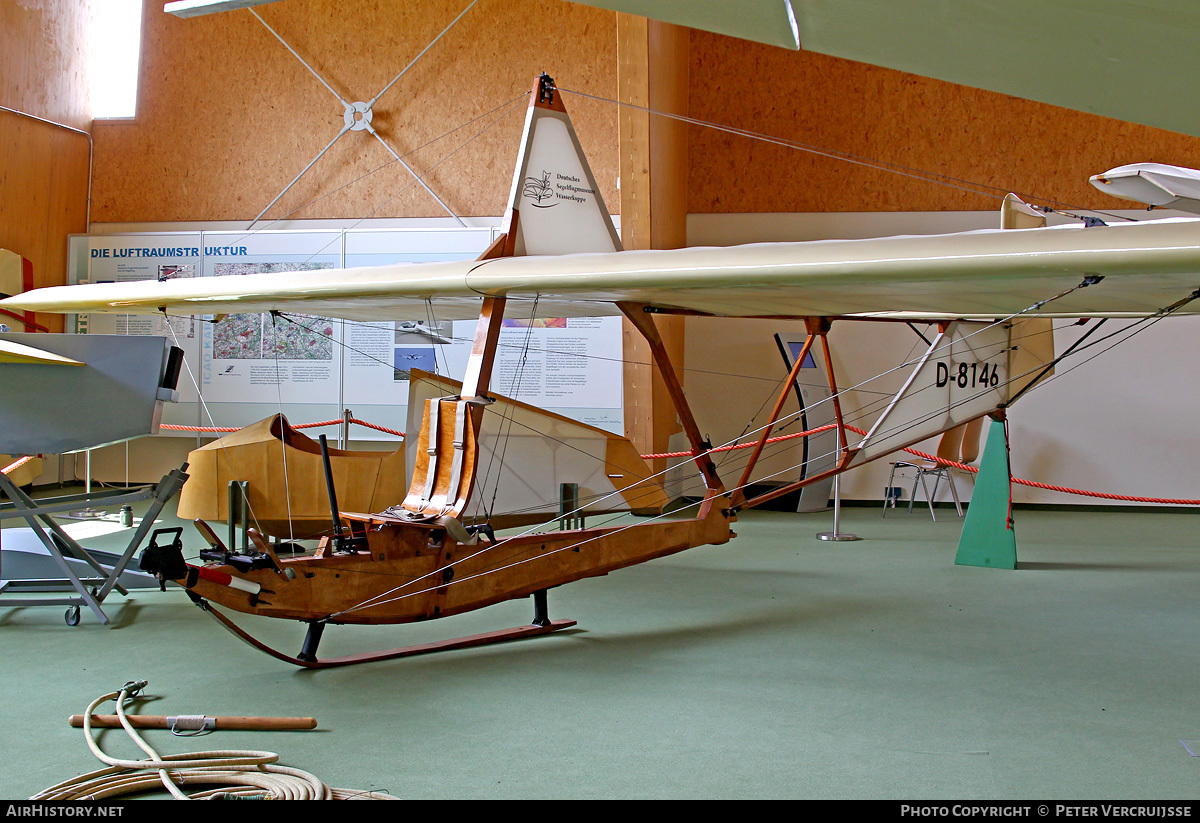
column 247, row 367
column 820, row 451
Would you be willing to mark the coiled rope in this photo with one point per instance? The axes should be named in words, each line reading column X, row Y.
column 235, row 774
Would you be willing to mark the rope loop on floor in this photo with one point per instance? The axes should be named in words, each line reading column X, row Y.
column 231, row 773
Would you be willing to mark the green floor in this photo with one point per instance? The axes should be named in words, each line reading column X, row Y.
column 775, row 666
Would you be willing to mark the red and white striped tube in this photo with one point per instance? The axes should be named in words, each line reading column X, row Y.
column 223, row 579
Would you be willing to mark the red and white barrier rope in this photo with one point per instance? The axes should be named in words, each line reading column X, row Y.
column 385, row 429
column 16, row 464
column 943, row 462
column 923, row 455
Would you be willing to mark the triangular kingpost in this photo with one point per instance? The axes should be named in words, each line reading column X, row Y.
column 989, row 536
column 555, row 206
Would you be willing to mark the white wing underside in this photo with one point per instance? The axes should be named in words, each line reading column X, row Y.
column 983, row 274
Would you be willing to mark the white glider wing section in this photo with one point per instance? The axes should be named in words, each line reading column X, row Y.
column 986, row 274
column 17, row 353
column 1154, row 184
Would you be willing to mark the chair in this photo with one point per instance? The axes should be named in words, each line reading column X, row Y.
column 960, row 445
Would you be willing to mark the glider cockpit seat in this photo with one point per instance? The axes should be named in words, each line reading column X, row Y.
column 958, row 445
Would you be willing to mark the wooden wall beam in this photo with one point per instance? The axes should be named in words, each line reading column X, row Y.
column 652, row 73
column 44, row 176
column 43, row 198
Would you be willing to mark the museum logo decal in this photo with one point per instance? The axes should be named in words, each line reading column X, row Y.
column 549, row 190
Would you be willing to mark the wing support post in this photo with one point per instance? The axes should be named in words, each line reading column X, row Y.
column 637, row 314
column 989, row 536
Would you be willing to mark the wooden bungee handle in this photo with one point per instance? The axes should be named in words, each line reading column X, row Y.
column 151, row 721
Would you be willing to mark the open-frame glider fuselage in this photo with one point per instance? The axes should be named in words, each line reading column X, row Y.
column 419, row 561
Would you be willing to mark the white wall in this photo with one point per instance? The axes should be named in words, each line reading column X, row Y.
column 1119, row 423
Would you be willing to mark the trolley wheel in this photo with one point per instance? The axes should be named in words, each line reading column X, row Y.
column 72, row 616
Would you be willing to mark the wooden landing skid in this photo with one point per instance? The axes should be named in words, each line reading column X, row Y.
column 471, row 641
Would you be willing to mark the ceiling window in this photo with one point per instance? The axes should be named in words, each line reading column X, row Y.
column 116, row 52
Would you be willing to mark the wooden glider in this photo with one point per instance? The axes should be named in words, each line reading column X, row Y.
column 424, row 559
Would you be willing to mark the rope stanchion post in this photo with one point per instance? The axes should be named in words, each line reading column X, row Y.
column 344, row 430
column 837, row 535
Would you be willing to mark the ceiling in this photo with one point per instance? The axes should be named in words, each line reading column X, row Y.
column 1133, row 60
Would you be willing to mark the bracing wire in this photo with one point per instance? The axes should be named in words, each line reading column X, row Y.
column 287, row 489
column 937, row 178
column 384, row 597
column 865, row 412
column 506, row 430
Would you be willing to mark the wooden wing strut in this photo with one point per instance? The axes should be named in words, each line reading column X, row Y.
column 636, row 314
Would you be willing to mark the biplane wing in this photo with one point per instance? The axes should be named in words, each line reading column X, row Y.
column 1145, row 266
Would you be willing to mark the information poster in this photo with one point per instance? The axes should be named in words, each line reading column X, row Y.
column 377, row 356
column 264, row 358
column 249, row 366
column 568, row 365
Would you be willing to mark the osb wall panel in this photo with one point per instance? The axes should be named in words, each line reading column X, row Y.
column 929, row 127
column 43, row 168
column 44, row 58
column 227, row 117
column 43, row 193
